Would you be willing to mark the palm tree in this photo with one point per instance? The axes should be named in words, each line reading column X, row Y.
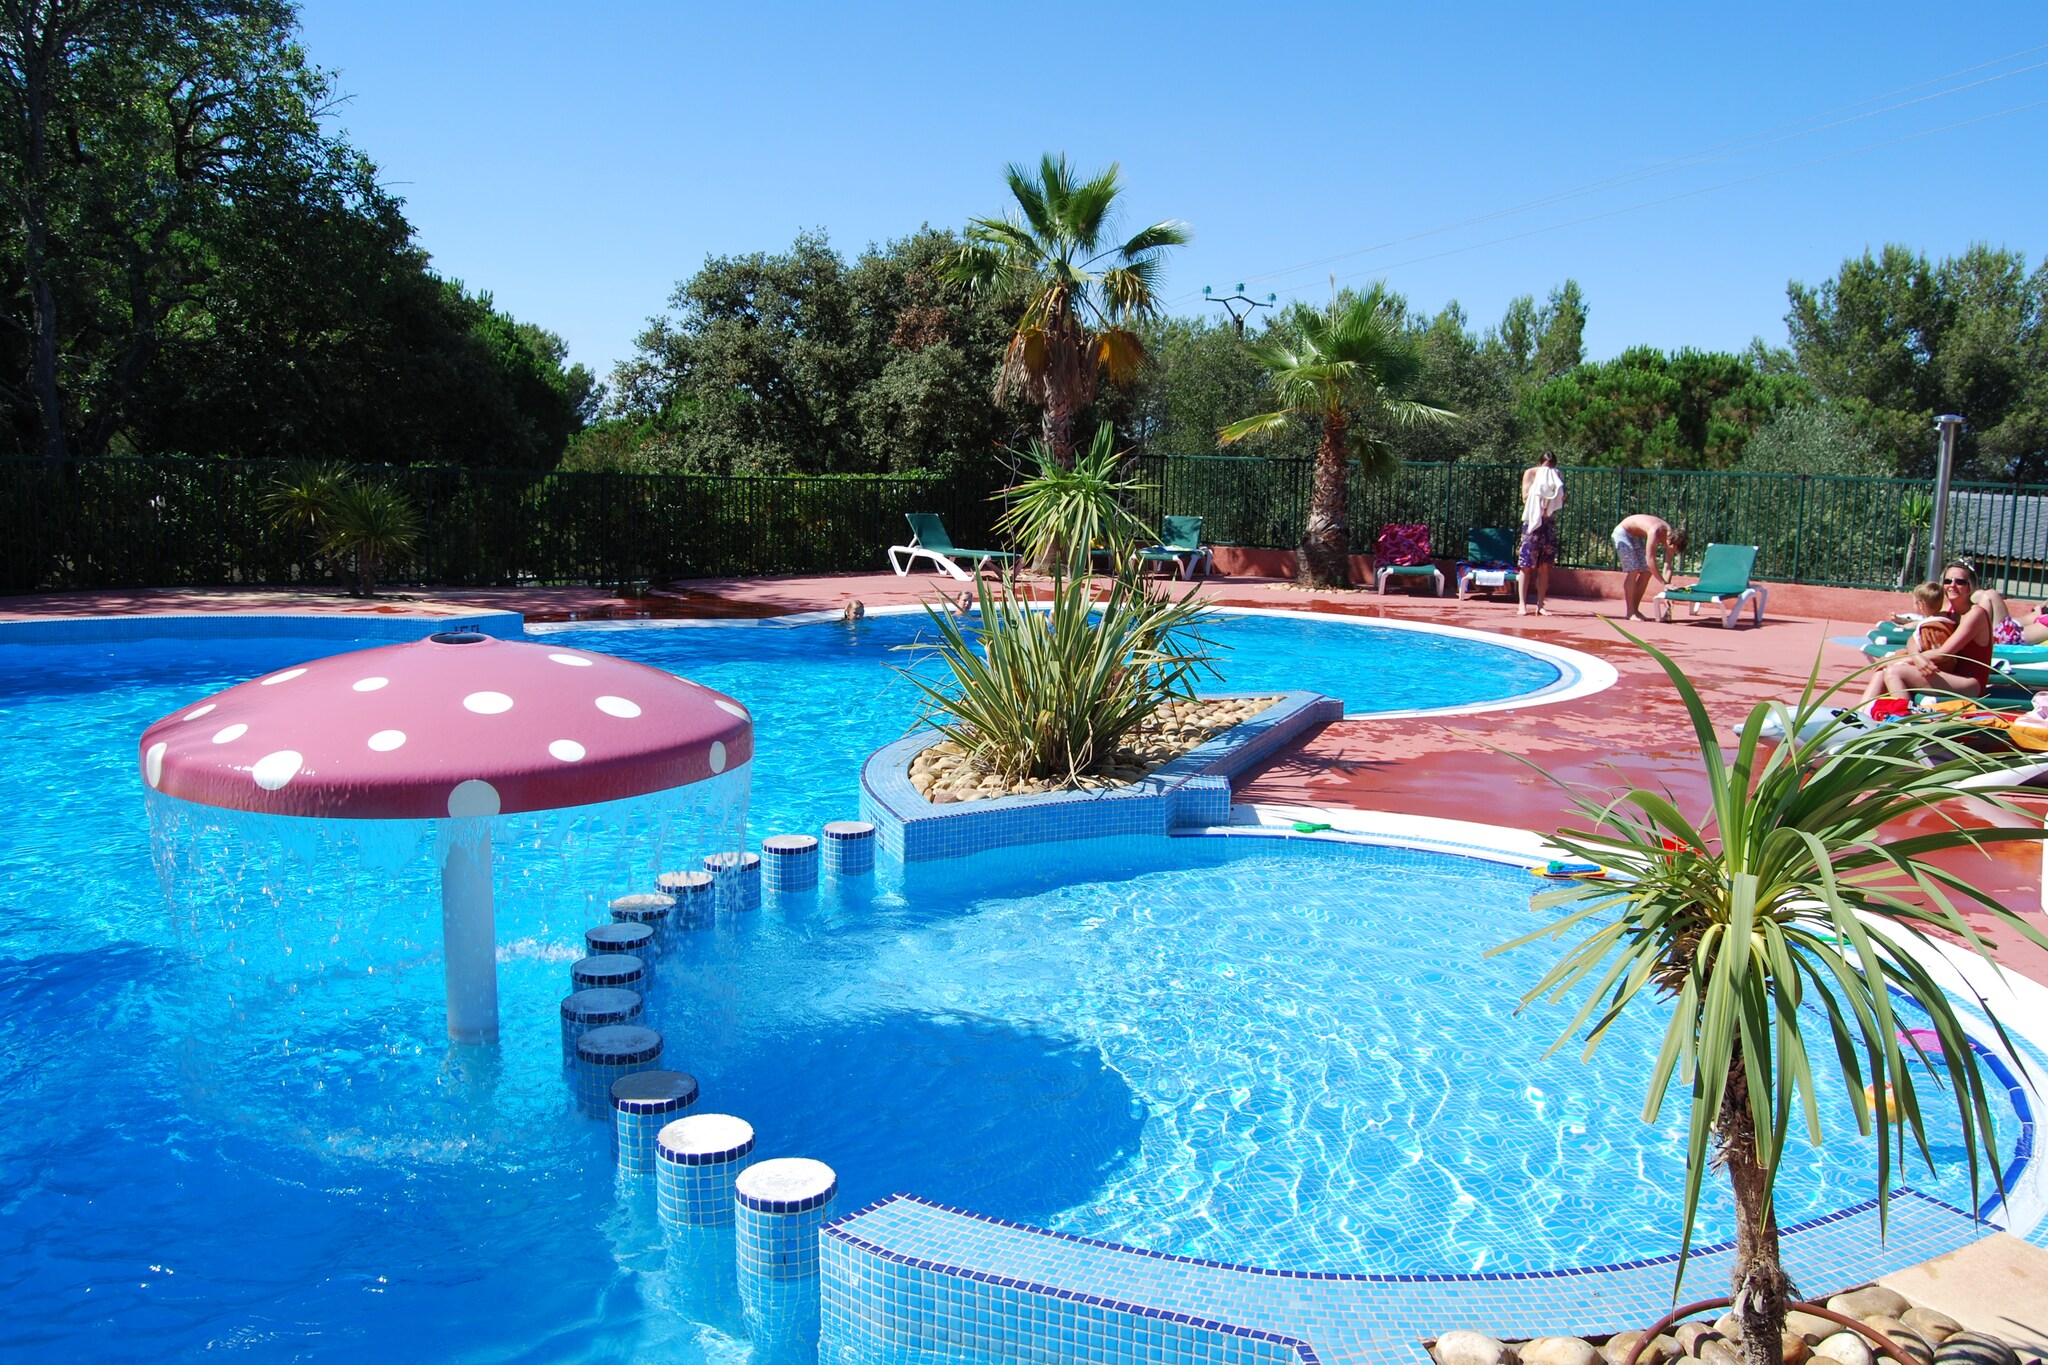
column 1080, row 291
column 1789, row 908
column 1348, row 369
column 373, row 523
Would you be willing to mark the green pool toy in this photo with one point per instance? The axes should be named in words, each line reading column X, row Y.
column 1304, row 827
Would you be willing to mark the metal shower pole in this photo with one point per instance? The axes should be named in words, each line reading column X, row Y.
column 1950, row 427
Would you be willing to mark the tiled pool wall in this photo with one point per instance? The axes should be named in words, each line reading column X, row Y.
column 879, row 1301
column 909, row 1279
column 1191, row 791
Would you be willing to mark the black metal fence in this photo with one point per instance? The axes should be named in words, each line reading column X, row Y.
column 123, row 522
column 202, row 523
column 1838, row 532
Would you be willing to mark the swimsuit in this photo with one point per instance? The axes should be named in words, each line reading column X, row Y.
column 1539, row 546
column 1632, row 550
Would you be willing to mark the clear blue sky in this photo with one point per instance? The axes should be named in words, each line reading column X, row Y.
column 577, row 160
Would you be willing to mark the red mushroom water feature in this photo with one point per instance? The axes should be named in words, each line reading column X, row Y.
column 458, row 728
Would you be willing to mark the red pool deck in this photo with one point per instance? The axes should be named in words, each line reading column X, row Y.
column 1459, row 767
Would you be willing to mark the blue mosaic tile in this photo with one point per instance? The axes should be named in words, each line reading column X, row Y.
column 908, row 1275
column 1193, row 789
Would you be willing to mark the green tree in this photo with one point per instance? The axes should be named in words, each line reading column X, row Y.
column 1471, row 378
column 1198, row 378
column 1644, row 409
column 191, row 262
column 1081, row 293
column 794, row 361
column 1892, row 340
column 1813, row 439
column 1350, row 374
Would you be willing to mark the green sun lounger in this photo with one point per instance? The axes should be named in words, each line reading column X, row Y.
column 1180, row 544
column 1489, row 560
column 928, row 540
column 1724, row 581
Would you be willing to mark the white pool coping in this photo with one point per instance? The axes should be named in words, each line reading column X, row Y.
column 2020, row 1003
column 1582, row 674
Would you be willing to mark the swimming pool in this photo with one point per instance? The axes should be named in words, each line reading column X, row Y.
column 1249, row 1051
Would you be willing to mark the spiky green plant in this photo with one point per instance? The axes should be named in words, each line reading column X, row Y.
column 302, row 497
column 1787, row 908
column 1050, row 691
column 1061, row 515
column 372, row 523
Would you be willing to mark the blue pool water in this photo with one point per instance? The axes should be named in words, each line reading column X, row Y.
column 249, row 1136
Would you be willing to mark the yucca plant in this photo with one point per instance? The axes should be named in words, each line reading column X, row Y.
column 302, row 497
column 1774, row 926
column 1050, row 691
column 1061, row 515
column 373, row 523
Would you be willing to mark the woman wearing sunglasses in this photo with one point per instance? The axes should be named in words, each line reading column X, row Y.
column 1961, row 664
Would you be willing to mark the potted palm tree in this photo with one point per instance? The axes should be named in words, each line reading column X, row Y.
column 1774, row 931
column 1080, row 289
column 1350, row 371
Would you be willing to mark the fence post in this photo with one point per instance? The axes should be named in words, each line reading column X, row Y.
column 1799, row 528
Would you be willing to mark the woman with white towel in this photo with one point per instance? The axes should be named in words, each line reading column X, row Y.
column 1542, row 497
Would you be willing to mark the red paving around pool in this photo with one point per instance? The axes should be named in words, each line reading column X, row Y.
column 1463, row 768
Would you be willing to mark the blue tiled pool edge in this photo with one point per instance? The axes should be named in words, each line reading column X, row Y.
column 905, row 1273
column 1191, row 791
column 215, row 625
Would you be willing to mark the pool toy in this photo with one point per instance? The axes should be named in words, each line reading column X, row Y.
column 1845, row 723
column 1564, row 871
column 2029, row 730
column 1880, row 1105
column 1308, row 827
column 1927, row 1038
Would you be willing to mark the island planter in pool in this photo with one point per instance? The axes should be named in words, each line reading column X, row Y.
column 1190, row 791
column 458, row 728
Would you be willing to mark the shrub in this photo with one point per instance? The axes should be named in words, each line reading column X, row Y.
column 1050, row 692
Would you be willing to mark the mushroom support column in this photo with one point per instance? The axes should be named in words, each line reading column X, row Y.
column 469, row 933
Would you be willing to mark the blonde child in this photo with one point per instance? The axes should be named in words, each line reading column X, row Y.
column 1934, row 628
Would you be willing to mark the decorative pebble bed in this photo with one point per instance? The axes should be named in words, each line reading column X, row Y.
column 1926, row 1336
column 944, row 773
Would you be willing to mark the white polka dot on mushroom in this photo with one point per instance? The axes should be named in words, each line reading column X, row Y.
column 384, row 741
column 153, row 763
column 272, row 771
column 717, row 756
column 488, row 703
column 276, row 678
column 573, row 660
column 370, row 684
column 618, row 706
column 568, row 750
column 731, row 709
column 199, row 711
column 230, row 734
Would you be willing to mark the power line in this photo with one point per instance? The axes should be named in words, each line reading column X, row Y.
column 1719, row 151
column 1705, row 189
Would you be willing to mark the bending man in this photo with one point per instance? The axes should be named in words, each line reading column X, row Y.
column 1644, row 544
